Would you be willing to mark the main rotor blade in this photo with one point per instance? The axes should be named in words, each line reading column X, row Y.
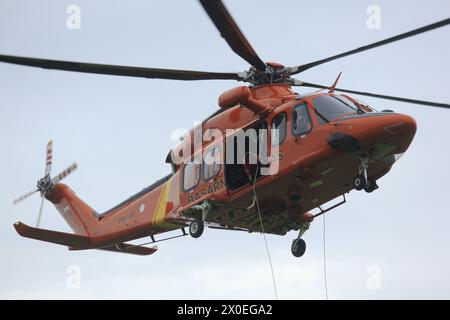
column 26, row 195
column 40, row 213
column 381, row 96
column 48, row 163
column 230, row 31
column 301, row 68
column 115, row 70
column 64, row 174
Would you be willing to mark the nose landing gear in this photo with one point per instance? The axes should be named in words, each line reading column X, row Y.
column 371, row 185
column 362, row 180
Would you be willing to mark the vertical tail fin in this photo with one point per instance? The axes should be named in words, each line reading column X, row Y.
column 78, row 215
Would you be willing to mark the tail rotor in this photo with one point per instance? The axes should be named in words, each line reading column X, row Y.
column 46, row 184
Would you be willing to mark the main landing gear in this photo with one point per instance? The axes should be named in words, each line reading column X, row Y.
column 196, row 228
column 298, row 246
column 197, row 225
column 362, row 180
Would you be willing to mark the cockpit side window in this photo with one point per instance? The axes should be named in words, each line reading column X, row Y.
column 301, row 121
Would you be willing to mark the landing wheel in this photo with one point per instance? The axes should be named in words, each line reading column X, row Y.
column 298, row 247
column 196, row 228
column 370, row 186
column 360, row 182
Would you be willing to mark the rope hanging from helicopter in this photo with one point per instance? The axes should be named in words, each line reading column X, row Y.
column 264, row 234
column 325, row 258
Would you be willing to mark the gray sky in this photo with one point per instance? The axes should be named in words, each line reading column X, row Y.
column 118, row 130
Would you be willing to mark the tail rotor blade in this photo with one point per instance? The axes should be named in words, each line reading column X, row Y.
column 26, row 195
column 49, row 159
column 40, row 213
column 64, row 174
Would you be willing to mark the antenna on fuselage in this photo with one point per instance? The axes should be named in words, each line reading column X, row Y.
column 333, row 87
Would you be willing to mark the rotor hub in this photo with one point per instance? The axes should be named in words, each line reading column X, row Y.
column 274, row 73
column 45, row 184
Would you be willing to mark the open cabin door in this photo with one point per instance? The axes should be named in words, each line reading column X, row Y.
column 244, row 150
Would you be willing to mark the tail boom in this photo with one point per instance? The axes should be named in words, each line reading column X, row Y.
column 145, row 214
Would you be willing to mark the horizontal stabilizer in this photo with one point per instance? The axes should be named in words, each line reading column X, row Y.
column 131, row 249
column 66, row 239
column 78, row 242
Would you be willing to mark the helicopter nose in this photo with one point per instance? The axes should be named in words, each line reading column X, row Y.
column 390, row 128
column 401, row 124
column 360, row 132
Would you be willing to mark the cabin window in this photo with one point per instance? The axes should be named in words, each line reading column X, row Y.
column 191, row 174
column 211, row 162
column 301, row 122
column 278, row 122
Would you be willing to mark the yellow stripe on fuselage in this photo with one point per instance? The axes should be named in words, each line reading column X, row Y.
column 160, row 211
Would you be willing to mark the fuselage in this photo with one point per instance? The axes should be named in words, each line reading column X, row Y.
column 314, row 160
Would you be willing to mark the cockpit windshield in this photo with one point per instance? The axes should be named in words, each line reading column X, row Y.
column 366, row 106
column 328, row 108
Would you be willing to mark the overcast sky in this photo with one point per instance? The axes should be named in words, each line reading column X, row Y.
column 393, row 243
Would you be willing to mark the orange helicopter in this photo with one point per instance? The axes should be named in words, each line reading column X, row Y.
column 261, row 163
